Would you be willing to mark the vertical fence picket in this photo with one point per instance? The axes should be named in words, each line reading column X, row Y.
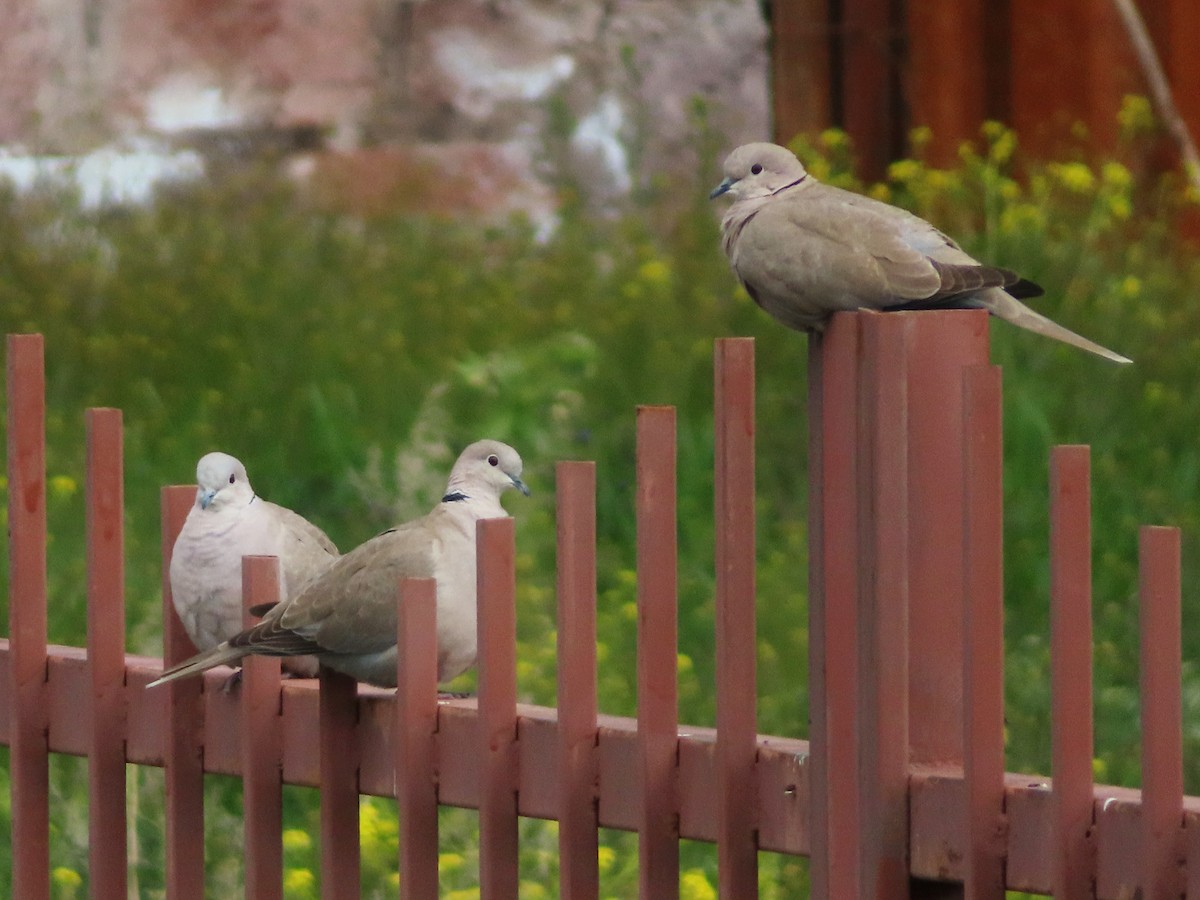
column 575, row 490
column 1071, row 727
column 262, row 749
column 1162, row 730
column 833, row 379
column 657, row 652
column 498, row 869
column 107, row 850
column 883, row 622
column 983, row 632
column 341, row 874
column 29, row 756
column 183, row 760
column 414, row 737
column 737, row 721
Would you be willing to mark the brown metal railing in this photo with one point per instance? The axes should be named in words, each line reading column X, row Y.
column 904, row 793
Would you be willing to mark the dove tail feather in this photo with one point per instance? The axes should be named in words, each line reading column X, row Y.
column 222, row 654
column 1011, row 310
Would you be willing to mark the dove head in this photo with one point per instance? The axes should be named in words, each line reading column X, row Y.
column 486, row 468
column 220, row 479
column 759, row 170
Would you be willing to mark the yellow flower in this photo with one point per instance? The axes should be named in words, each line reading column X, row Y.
column 694, row 885
column 299, row 882
column 1120, row 208
column 919, row 137
column 1131, row 286
column 880, row 192
column 66, row 879
column 654, row 271
column 464, row 894
column 1002, row 146
column 1115, row 175
column 63, row 486
column 904, row 170
column 1075, row 176
column 1021, row 217
column 296, row 839
column 683, row 663
column 450, row 862
column 834, row 138
column 1135, row 115
column 605, row 857
column 1099, row 769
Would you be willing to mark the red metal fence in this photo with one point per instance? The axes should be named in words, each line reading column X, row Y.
column 902, row 792
column 879, row 67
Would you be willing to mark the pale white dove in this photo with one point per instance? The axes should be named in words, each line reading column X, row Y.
column 346, row 617
column 227, row 522
column 805, row 250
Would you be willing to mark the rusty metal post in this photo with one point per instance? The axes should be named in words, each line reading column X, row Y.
column 1071, row 735
column 108, row 859
column 414, row 737
column 499, row 878
column 657, row 648
column 1162, row 711
column 29, row 755
column 579, row 876
column 262, row 746
column 737, row 722
column 183, row 756
column 337, row 712
column 887, row 508
column 983, row 633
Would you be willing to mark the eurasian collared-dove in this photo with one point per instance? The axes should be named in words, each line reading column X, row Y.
column 804, row 250
column 347, row 616
column 227, row 522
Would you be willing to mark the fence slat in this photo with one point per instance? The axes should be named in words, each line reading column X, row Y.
column 736, row 635
column 183, row 758
column 1162, row 730
column 575, row 489
column 1071, row 727
column 657, row 652
column 883, row 622
column 498, row 872
column 107, row 850
column 340, row 870
column 262, row 760
column 983, row 631
column 414, row 737
column 833, row 605
column 29, row 756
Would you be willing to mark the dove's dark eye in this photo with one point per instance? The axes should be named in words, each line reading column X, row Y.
column 493, row 460
column 755, row 169
column 232, row 479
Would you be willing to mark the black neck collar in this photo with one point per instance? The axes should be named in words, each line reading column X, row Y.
column 792, row 185
column 452, row 496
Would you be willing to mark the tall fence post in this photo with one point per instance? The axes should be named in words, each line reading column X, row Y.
column 887, row 508
column 29, row 757
column 107, row 845
column 183, row 754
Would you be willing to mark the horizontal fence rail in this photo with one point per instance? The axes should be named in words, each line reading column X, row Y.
column 903, row 784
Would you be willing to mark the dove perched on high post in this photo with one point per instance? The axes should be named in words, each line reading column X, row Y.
column 229, row 521
column 347, row 616
column 805, row 250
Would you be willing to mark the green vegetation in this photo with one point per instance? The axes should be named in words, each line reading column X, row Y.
column 347, row 358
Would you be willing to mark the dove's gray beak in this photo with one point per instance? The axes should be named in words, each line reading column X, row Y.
column 205, row 498
column 721, row 188
column 520, row 485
